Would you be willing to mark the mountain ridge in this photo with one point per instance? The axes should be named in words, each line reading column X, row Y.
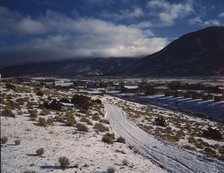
column 199, row 53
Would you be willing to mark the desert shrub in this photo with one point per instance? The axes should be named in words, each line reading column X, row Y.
column 4, row 140
column 97, row 101
column 212, row 134
column 82, row 127
column 170, row 138
column 160, row 122
column 189, row 147
column 221, row 150
column 19, row 112
column 29, row 171
column 64, row 100
column 199, row 145
column 82, row 101
column 33, row 113
column 42, row 122
column 64, row 162
column 121, row 139
column 96, row 117
column 54, row 105
column 192, row 140
column 7, row 112
column 17, row 142
column 87, row 120
column 40, row 151
column 70, row 120
column 44, row 111
column 105, row 121
column 50, row 121
column 10, row 86
column 101, row 127
column 39, row 93
column 108, row 138
column 111, row 169
column 59, row 118
column 20, row 101
column 125, row 162
column 209, row 152
column 29, row 105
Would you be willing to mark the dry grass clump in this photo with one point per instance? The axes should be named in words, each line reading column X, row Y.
column 125, row 162
column 105, row 121
column 96, row 117
column 17, row 142
column 40, row 151
column 7, row 112
column 221, row 150
column 111, row 169
column 4, row 140
column 29, row 171
column 209, row 152
column 121, row 140
column 100, row 127
column 188, row 147
column 87, row 120
column 42, row 122
column 59, row 118
column 108, row 138
column 82, row 127
column 64, row 162
column 44, row 112
column 33, row 113
column 70, row 120
column 50, row 121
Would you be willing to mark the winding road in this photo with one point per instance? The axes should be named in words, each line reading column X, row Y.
column 169, row 157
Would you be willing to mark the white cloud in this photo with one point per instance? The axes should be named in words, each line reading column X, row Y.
column 29, row 26
column 198, row 20
column 142, row 25
column 211, row 22
column 135, row 12
column 100, row 38
column 68, row 37
column 221, row 15
column 168, row 12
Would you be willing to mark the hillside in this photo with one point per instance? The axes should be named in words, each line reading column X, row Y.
column 199, row 53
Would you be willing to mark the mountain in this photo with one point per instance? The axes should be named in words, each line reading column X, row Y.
column 72, row 68
column 199, row 53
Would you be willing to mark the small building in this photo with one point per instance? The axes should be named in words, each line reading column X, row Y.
column 207, row 97
column 196, row 96
column 219, row 98
column 80, row 84
column 130, row 89
column 62, row 83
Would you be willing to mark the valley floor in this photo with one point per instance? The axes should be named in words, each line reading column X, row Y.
column 87, row 153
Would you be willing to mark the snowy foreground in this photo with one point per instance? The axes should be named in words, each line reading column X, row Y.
column 169, row 156
column 86, row 151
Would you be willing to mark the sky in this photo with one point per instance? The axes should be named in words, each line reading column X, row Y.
column 37, row 30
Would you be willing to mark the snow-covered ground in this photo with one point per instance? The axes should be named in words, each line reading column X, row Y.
column 208, row 107
column 85, row 150
column 169, row 156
